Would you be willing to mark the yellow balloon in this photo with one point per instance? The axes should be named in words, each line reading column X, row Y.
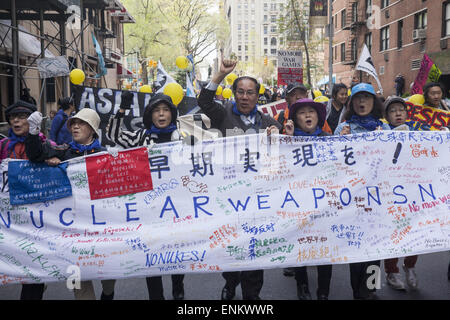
column 182, row 62
column 417, row 99
column 349, row 92
column 321, row 99
column 77, row 76
column 317, row 93
column 175, row 91
column 262, row 89
column 231, row 78
column 219, row 90
column 146, row 89
column 226, row 93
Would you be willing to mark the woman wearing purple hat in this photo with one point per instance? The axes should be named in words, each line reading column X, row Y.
column 306, row 118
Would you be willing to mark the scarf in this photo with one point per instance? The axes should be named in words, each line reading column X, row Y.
column 367, row 122
column 82, row 148
column 298, row 132
column 13, row 139
column 237, row 112
column 169, row 129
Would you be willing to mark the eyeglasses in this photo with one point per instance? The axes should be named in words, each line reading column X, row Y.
column 243, row 93
column 19, row 116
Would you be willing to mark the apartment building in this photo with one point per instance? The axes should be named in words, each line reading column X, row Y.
column 397, row 32
column 62, row 28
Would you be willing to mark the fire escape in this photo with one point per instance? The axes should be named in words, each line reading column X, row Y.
column 354, row 22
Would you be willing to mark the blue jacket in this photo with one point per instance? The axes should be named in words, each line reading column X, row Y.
column 59, row 132
column 356, row 128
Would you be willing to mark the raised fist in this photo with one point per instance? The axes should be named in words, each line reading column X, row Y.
column 127, row 100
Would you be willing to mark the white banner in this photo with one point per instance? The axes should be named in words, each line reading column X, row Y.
column 240, row 203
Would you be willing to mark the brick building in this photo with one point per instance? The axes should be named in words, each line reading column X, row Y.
column 397, row 32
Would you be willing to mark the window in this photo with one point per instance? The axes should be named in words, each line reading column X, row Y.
column 273, row 52
column 239, row 47
column 353, row 47
column 400, row 34
column 420, row 20
column 266, row 7
column 368, row 8
column 273, row 41
column 355, row 12
column 273, row 18
column 265, row 52
column 335, row 22
column 368, row 41
column 342, row 51
column 446, row 19
column 343, row 18
column 265, row 29
column 265, row 41
column 265, row 18
column 273, row 28
column 384, row 3
column 384, row 39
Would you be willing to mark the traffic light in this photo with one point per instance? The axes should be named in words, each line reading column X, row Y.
column 266, row 61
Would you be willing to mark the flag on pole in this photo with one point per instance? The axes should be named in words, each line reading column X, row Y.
column 101, row 61
column 162, row 78
column 365, row 64
column 189, row 87
column 428, row 72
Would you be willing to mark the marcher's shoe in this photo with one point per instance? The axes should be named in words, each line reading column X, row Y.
column 178, row 292
column 288, row 272
column 303, row 292
column 322, row 297
column 411, row 278
column 228, row 294
column 107, row 297
column 394, row 281
column 448, row 273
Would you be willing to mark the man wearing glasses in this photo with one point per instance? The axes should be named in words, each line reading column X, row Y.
column 237, row 118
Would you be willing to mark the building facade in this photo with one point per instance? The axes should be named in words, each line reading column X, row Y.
column 62, row 28
column 397, row 33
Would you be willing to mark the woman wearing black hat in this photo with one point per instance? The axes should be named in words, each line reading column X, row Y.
column 307, row 119
column 13, row 147
column 159, row 119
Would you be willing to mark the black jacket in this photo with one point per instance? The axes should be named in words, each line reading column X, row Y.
column 39, row 152
column 223, row 118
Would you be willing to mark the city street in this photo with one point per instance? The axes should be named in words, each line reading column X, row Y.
column 431, row 272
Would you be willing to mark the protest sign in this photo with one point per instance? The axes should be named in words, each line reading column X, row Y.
column 127, row 172
column 107, row 102
column 432, row 117
column 36, row 182
column 272, row 109
column 428, row 72
column 290, row 67
column 243, row 203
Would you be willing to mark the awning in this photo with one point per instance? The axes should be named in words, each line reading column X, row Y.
column 325, row 80
column 123, row 72
column 117, row 9
column 28, row 44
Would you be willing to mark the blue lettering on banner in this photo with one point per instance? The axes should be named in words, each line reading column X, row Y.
column 430, row 194
column 37, row 182
column 290, row 198
column 172, row 208
column 239, row 204
column 127, row 205
column 315, row 196
column 174, row 257
column 93, row 216
column 399, row 194
column 198, row 205
column 61, row 217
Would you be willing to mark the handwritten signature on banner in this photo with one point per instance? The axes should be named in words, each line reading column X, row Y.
column 315, row 201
